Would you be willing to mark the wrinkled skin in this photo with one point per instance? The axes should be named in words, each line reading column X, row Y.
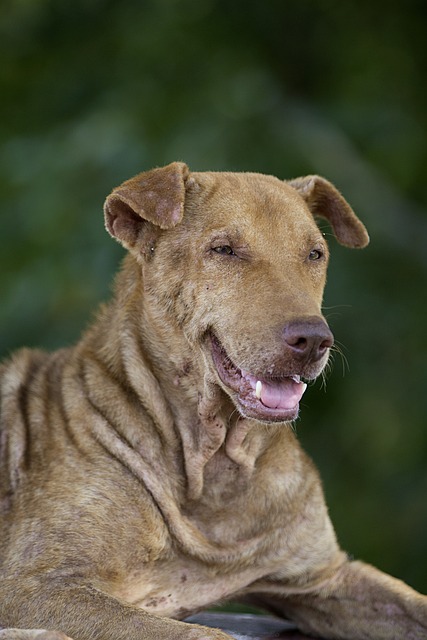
column 151, row 471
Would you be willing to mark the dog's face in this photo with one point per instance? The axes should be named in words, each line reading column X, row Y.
column 256, row 265
column 242, row 274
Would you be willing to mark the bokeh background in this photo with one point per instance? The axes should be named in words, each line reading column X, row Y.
column 93, row 92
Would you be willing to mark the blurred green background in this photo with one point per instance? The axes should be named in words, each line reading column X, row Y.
column 93, row 92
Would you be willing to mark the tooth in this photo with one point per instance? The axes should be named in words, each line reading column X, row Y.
column 296, row 378
column 304, row 387
column 258, row 389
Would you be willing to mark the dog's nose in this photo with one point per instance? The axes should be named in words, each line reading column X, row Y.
column 308, row 338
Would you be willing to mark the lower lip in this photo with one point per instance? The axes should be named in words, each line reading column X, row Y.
column 258, row 411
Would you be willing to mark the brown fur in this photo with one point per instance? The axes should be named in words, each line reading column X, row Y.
column 136, row 484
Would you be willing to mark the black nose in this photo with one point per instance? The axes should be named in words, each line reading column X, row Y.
column 308, row 338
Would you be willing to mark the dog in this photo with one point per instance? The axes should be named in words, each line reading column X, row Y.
column 151, row 470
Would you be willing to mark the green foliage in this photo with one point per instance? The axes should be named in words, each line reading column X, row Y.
column 94, row 92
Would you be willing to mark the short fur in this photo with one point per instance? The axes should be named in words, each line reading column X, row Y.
column 141, row 478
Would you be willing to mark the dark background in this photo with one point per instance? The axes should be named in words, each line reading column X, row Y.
column 94, row 92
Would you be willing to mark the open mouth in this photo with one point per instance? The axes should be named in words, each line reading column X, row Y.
column 269, row 399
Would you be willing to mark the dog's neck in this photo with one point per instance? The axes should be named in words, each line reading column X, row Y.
column 187, row 409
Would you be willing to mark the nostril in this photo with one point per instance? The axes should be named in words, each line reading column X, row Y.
column 297, row 342
column 326, row 343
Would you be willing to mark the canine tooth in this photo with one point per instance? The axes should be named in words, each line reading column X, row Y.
column 258, row 389
column 304, row 385
column 296, row 378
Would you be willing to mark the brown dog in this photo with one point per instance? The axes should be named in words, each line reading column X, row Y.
column 150, row 471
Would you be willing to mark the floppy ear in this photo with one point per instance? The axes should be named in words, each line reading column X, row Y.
column 155, row 197
column 324, row 200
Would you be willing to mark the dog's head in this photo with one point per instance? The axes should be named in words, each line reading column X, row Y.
column 237, row 262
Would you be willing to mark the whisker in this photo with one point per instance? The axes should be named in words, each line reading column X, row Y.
column 232, row 414
column 293, row 425
column 326, row 372
column 337, row 306
column 339, row 349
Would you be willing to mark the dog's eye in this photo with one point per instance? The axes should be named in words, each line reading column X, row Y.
column 224, row 250
column 315, row 254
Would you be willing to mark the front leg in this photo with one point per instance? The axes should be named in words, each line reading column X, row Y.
column 32, row 634
column 358, row 603
column 45, row 609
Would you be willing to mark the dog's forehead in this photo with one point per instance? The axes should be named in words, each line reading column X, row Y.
column 245, row 199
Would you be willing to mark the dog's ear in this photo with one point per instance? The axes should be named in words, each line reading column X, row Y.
column 155, row 196
column 324, row 200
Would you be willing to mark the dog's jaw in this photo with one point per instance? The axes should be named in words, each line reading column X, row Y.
column 262, row 398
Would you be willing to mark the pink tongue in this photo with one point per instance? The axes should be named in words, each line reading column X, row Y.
column 282, row 395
